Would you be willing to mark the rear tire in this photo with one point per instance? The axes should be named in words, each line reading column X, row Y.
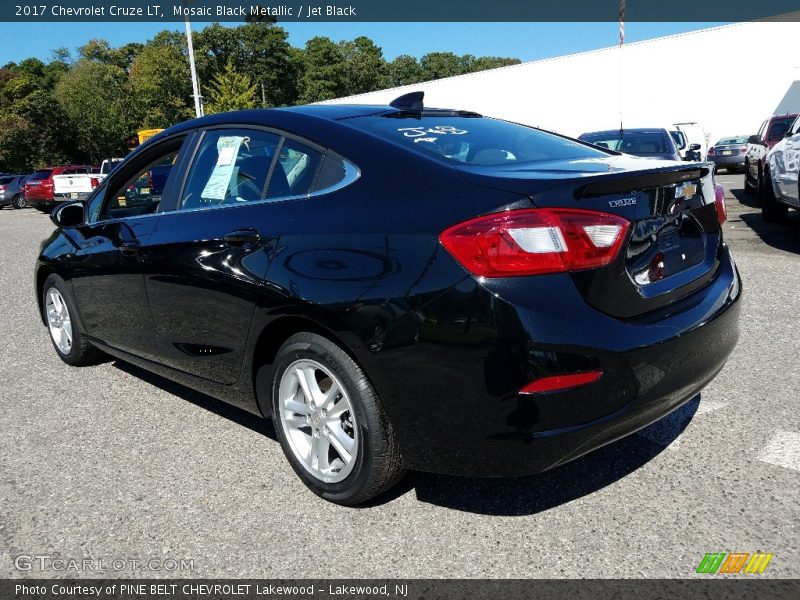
column 60, row 312
column 340, row 442
column 19, row 201
column 772, row 211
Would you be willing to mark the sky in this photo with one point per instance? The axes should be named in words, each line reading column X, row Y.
column 526, row 41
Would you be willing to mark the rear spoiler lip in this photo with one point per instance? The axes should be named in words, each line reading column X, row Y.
column 623, row 182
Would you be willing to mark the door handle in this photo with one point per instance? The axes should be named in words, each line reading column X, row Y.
column 129, row 248
column 242, row 237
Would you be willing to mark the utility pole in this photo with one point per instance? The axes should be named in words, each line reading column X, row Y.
column 198, row 99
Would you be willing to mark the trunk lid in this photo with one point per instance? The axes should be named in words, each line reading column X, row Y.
column 674, row 242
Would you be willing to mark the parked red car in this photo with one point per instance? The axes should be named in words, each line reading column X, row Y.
column 769, row 134
column 39, row 187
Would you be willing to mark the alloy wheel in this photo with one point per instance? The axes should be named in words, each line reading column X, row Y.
column 59, row 321
column 318, row 420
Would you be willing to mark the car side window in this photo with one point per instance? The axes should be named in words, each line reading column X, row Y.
column 231, row 167
column 295, row 172
column 141, row 193
column 334, row 173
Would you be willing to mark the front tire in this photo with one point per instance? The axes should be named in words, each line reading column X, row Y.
column 19, row 201
column 330, row 422
column 59, row 311
column 749, row 186
column 772, row 211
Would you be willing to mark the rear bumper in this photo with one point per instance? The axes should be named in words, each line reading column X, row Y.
column 71, row 197
column 472, row 421
column 728, row 161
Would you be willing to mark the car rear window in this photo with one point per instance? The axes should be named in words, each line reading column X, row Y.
column 41, row 174
column 630, row 142
column 473, row 139
column 6, row 180
column 732, row 140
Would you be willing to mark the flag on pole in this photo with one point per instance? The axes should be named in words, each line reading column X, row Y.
column 621, row 22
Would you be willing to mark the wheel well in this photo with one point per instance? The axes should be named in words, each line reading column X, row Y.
column 276, row 333
column 41, row 276
column 272, row 338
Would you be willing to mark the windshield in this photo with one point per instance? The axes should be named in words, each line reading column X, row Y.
column 474, row 139
column 730, row 141
column 630, row 142
column 41, row 174
column 679, row 139
column 6, row 180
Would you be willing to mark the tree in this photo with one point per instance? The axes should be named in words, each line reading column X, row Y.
column 259, row 49
column 34, row 132
column 324, row 74
column 95, row 97
column 230, row 90
column 436, row 65
column 492, row 62
column 160, row 83
column 269, row 62
column 365, row 69
column 404, row 70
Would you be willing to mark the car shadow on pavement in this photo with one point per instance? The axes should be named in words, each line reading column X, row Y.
column 500, row 496
column 218, row 407
column 530, row 495
column 783, row 236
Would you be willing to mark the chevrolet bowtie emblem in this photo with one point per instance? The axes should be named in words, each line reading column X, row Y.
column 685, row 191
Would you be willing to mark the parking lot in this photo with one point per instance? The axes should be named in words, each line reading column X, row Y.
column 110, row 462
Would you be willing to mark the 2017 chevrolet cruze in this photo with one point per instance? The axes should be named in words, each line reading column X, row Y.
column 401, row 287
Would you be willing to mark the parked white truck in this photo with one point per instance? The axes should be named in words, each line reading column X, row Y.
column 78, row 186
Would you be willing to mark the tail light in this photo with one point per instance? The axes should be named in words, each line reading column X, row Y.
column 743, row 150
column 535, row 241
column 47, row 183
column 719, row 203
column 560, row 382
column 2, row 188
column 94, row 181
column 712, row 151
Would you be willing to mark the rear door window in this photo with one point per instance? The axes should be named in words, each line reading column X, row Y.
column 295, row 172
column 231, row 167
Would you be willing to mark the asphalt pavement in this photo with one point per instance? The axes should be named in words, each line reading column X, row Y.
column 111, row 464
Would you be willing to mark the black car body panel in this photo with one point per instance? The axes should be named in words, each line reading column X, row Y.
column 175, row 292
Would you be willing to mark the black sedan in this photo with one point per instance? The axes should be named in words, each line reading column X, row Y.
column 400, row 287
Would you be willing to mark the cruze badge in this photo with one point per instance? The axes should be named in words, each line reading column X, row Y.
column 622, row 202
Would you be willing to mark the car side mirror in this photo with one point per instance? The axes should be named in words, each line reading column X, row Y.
column 754, row 139
column 68, row 215
column 788, row 134
column 694, row 147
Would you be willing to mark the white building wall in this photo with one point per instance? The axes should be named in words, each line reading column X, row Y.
column 728, row 79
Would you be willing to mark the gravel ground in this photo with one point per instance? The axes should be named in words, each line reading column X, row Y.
column 110, row 462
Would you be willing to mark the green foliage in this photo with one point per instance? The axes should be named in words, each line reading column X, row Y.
column 324, row 71
column 404, row 70
column 161, row 89
column 365, row 69
column 95, row 97
column 230, row 90
column 81, row 108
